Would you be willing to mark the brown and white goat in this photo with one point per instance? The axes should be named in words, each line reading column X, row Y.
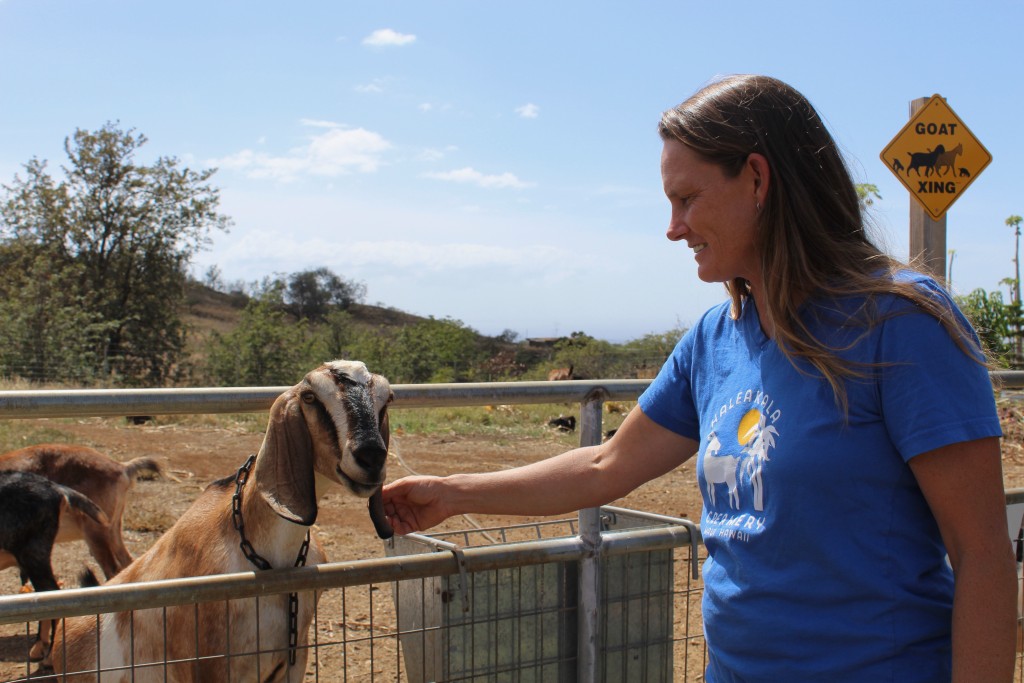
column 101, row 479
column 559, row 374
column 331, row 428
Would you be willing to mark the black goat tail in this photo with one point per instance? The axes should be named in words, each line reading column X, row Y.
column 84, row 505
column 87, row 579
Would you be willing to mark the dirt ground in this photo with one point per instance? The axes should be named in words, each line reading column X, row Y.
column 196, row 455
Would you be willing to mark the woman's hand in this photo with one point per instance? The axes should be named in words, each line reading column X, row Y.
column 415, row 503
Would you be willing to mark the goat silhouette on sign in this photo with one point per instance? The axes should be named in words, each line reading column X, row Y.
column 947, row 160
column 926, row 160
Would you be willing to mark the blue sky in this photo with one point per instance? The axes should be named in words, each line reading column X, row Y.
column 497, row 163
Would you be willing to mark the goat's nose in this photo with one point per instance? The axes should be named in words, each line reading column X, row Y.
column 370, row 456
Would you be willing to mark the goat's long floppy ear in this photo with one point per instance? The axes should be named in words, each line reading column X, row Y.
column 286, row 479
column 385, row 429
column 376, row 502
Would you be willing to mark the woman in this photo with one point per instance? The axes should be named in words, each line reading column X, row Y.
column 841, row 410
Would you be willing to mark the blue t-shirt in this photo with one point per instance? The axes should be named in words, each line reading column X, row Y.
column 824, row 561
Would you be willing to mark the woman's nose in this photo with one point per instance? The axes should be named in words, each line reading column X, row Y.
column 676, row 230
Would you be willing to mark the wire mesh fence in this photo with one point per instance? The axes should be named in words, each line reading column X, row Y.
column 497, row 604
column 500, row 604
column 492, row 604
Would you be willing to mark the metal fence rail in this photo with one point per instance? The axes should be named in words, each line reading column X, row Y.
column 121, row 402
column 367, row 641
column 375, row 587
column 585, row 550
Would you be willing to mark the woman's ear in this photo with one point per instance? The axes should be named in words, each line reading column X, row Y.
column 761, row 173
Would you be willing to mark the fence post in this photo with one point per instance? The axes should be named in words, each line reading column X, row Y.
column 589, row 614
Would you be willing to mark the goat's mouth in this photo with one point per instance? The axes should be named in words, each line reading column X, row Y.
column 361, row 489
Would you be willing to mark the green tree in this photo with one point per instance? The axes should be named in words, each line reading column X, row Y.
column 336, row 335
column 1014, row 222
column 589, row 357
column 992, row 319
column 46, row 334
column 433, row 350
column 265, row 349
column 120, row 236
column 650, row 351
column 312, row 294
column 867, row 193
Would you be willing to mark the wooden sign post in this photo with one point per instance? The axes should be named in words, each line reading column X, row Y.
column 927, row 235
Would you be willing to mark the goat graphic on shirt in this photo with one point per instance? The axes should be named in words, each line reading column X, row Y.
column 729, row 466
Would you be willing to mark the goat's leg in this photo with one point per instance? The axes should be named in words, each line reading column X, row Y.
column 26, row 586
column 35, row 562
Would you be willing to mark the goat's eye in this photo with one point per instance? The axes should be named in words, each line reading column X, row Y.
column 308, row 397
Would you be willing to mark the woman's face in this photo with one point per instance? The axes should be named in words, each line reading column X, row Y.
column 714, row 214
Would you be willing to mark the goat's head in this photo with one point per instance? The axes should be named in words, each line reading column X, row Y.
column 334, row 423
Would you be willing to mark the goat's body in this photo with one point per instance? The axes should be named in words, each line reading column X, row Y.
column 202, row 542
column 564, row 424
column 32, row 509
column 560, row 374
column 330, row 429
column 101, row 479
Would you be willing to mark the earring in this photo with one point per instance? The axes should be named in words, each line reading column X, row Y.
column 757, row 205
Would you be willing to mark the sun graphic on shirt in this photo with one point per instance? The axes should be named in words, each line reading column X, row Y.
column 748, row 426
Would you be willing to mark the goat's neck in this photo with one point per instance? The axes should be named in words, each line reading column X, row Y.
column 275, row 538
column 323, row 485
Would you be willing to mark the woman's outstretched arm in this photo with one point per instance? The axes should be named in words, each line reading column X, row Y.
column 583, row 477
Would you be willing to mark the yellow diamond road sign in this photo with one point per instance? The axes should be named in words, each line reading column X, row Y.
column 936, row 157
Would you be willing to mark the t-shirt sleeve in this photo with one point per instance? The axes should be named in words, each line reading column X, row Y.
column 933, row 394
column 669, row 399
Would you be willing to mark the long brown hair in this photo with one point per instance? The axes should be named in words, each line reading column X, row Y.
column 812, row 236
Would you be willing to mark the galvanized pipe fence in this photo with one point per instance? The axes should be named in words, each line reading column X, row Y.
column 588, row 548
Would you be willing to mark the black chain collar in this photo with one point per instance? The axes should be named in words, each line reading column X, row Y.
column 261, row 562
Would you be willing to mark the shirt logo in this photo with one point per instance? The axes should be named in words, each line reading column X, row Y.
column 754, row 439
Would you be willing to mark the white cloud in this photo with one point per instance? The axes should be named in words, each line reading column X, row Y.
column 374, row 87
column 430, row 154
column 430, row 106
column 385, row 37
column 434, row 153
column 405, row 254
column 455, row 255
column 528, row 111
column 474, row 177
column 317, row 123
column 337, row 151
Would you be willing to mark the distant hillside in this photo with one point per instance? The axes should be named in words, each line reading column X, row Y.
column 209, row 309
column 212, row 311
